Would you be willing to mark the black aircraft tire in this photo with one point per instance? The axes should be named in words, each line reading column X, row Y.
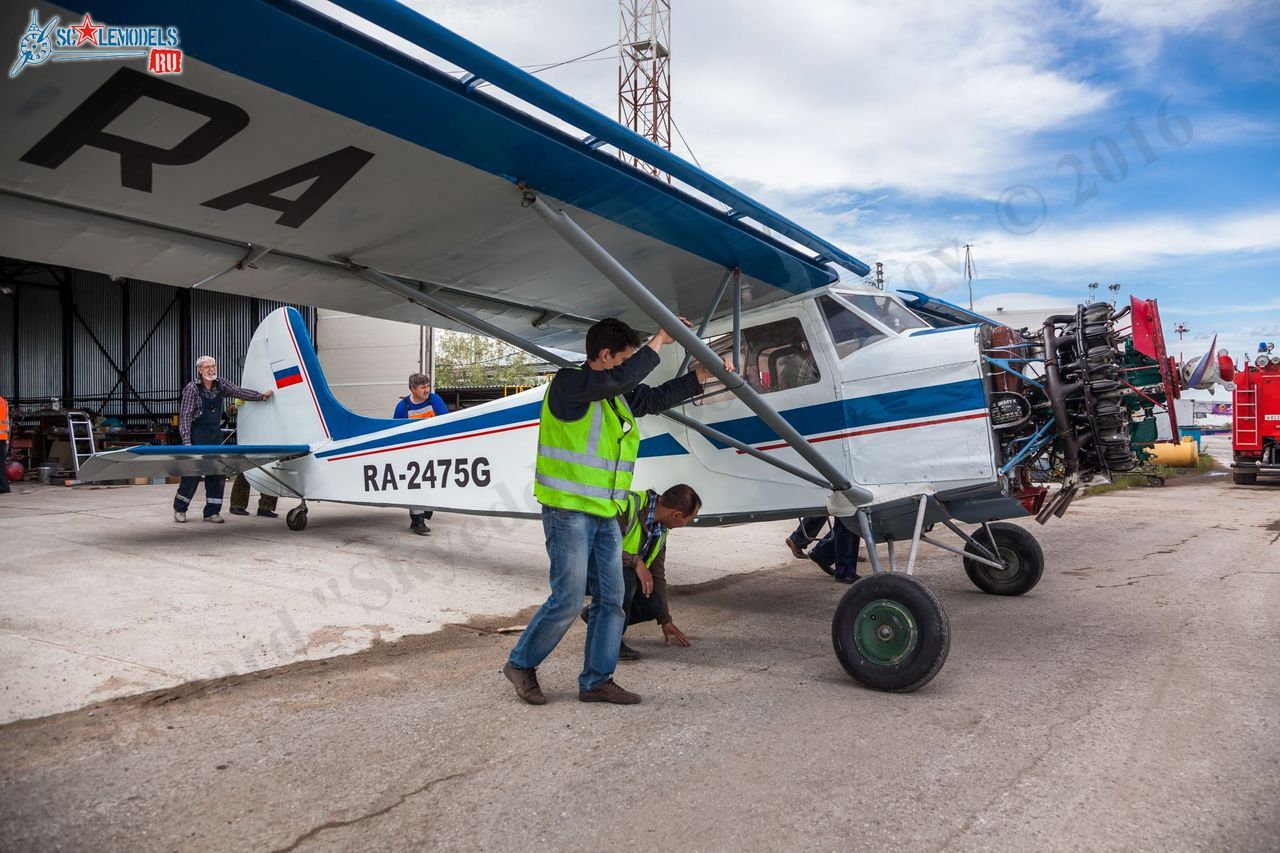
column 890, row 633
column 1244, row 478
column 1019, row 549
column 296, row 519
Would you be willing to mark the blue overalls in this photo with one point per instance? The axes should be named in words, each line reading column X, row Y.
column 205, row 429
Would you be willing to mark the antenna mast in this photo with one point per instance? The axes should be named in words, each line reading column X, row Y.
column 644, row 73
column 969, row 271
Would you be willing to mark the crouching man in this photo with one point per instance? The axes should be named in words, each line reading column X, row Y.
column 645, row 521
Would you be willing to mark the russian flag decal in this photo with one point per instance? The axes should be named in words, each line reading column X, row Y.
column 288, row 376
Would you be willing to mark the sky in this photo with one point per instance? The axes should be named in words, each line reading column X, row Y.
column 1118, row 141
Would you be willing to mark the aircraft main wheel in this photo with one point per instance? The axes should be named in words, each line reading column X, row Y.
column 1021, row 554
column 297, row 518
column 890, row 633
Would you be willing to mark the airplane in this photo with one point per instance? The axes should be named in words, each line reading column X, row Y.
column 374, row 183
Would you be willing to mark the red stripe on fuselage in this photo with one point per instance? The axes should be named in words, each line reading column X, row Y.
column 891, row 428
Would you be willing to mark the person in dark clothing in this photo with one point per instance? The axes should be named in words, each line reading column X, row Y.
column 836, row 552
column 587, row 446
column 200, row 423
column 807, row 531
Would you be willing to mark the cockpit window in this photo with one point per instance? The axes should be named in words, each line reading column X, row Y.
column 850, row 332
column 886, row 310
column 775, row 357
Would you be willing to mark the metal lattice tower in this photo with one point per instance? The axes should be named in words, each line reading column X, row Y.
column 644, row 72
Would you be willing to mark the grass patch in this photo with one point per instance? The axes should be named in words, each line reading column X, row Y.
column 1128, row 481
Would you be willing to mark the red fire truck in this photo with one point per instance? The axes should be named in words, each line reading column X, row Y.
column 1255, row 418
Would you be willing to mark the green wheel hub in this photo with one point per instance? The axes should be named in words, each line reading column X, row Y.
column 885, row 632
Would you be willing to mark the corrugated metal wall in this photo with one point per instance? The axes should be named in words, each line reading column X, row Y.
column 39, row 331
column 115, row 326
column 155, row 336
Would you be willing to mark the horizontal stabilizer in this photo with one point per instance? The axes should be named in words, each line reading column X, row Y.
column 166, row 460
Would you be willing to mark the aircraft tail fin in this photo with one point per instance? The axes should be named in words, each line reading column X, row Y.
column 303, row 410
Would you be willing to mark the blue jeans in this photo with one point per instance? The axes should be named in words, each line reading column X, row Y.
column 581, row 547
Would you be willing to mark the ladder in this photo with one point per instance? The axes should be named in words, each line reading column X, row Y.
column 80, row 434
column 1245, row 406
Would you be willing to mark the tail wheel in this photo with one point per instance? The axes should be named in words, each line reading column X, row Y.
column 890, row 633
column 1019, row 551
column 297, row 518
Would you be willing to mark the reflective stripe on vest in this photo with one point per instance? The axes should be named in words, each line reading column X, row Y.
column 634, row 537
column 587, row 464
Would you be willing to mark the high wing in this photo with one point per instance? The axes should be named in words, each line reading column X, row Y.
column 186, row 461
column 294, row 151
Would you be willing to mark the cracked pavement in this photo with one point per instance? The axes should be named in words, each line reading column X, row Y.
column 1129, row 702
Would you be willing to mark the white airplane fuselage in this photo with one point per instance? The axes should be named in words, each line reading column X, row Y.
column 902, row 415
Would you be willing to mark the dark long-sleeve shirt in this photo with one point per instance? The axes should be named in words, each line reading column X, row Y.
column 573, row 391
column 657, row 568
column 190, row 407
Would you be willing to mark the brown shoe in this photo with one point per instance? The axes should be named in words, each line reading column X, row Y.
column 526, row 683
column 796, row 550
column 609, row 692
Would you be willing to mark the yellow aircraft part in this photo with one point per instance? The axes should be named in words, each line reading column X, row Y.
column 1184, row 455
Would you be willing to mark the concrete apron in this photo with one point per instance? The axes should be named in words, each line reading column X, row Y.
column 102, row 595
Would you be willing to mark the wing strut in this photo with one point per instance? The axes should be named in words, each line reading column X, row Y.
column 414, row 293
column 733, row 276
column 594, row 254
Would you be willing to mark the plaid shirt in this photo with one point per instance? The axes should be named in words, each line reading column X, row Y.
column 190, row 408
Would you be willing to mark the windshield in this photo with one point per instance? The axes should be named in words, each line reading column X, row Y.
column 850, row 332
column 886, row 310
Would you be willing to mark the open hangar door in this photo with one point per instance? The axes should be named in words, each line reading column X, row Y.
column 120, row 350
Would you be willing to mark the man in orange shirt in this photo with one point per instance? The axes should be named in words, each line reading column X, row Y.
column 4, row 446
column 420, row 403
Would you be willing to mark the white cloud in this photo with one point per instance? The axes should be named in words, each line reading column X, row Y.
column 1083, row 251
column 915, row 95
column 919, row 96
column 1179, row 15
column 1131, row 245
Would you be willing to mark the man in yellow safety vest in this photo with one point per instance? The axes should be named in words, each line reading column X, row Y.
column 587, row 447
column 645, row 522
